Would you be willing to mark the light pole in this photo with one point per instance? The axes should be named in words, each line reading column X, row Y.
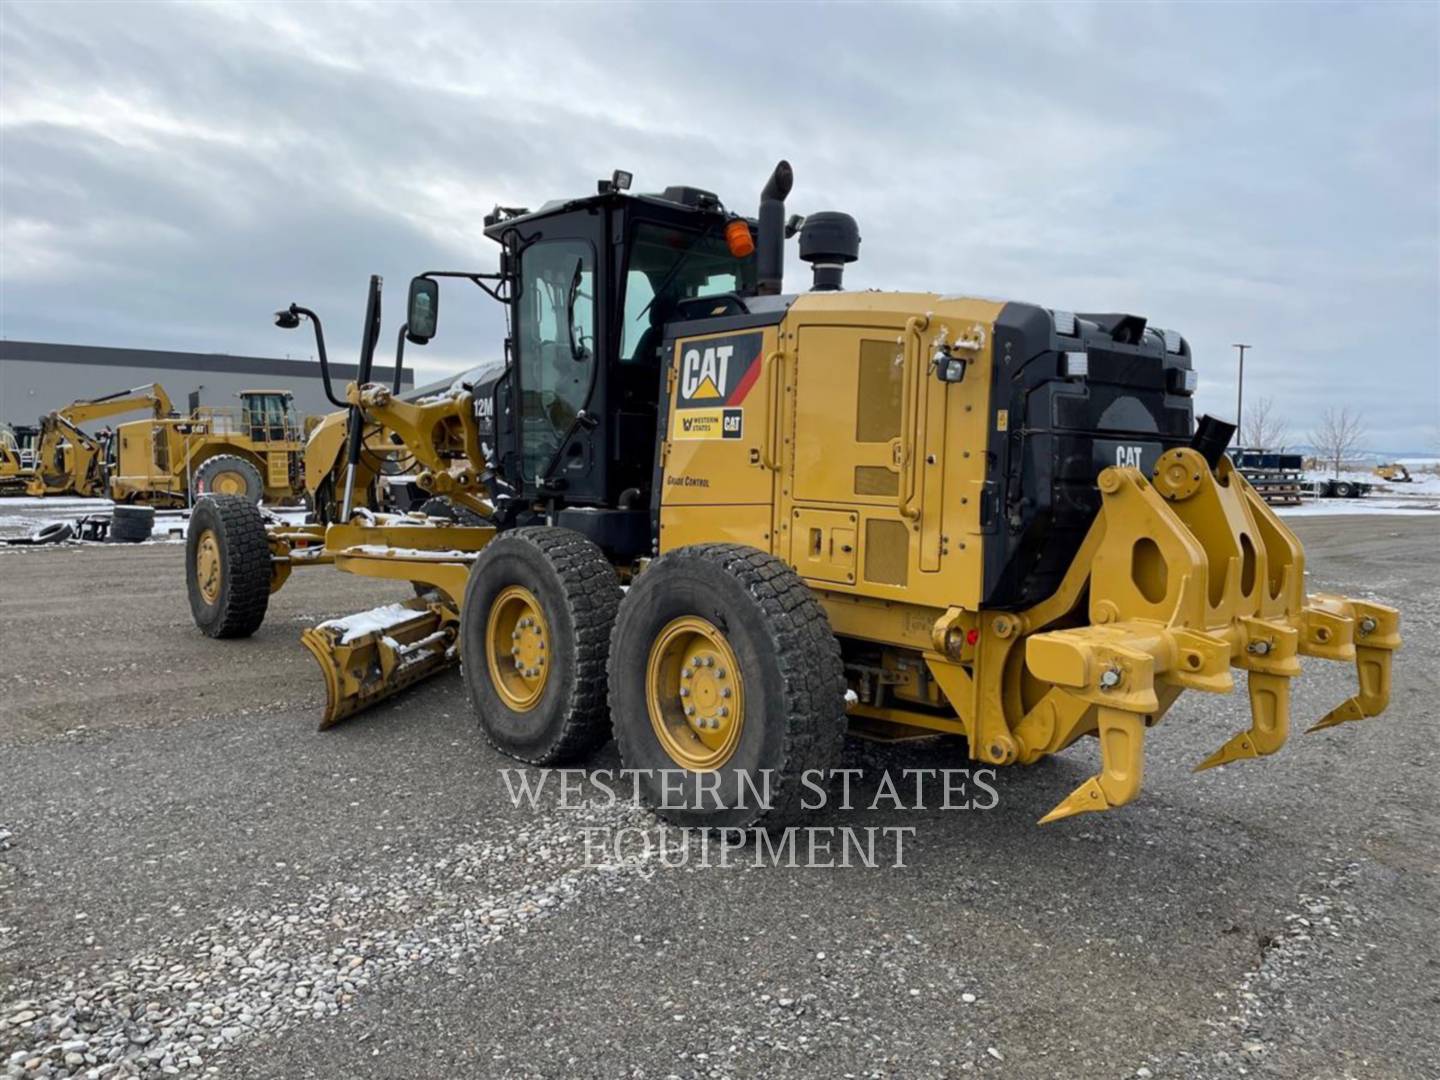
column 1240, row 397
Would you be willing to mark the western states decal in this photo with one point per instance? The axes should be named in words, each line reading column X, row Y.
column 714, row 377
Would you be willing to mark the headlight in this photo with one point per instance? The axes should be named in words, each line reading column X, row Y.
column 1076, row 365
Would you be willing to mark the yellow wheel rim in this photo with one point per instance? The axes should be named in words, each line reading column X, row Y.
column 207, row 566
column 518, row 648
column 695, row 694
column 228, row 483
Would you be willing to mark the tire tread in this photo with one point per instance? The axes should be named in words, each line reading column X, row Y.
column 592, row 598
column 246, row 569
column 799, row 634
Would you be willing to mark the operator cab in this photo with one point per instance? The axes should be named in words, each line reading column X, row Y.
column 592, row 283
column 269, row 415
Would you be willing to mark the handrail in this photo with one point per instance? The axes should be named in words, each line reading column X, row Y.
column 769, row 454
column 914, row 376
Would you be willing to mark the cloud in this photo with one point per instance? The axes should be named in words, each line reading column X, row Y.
column 171, row 174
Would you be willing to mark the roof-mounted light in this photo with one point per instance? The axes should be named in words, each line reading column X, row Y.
column 1076, row 365
column 1064, row 322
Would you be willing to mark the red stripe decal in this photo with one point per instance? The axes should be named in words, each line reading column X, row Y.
column 746, row 382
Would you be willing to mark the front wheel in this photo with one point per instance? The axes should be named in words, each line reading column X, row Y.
column 726, row 687
column 228, row 474
column 227, row 566
column 534, row 639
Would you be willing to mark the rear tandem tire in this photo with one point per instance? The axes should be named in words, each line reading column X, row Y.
column 551, row 595
column 780, row 714
column 227, row 566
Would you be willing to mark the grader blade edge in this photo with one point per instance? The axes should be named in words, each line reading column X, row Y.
column 371, row 656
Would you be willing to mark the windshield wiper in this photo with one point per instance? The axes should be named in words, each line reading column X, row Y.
column 577, row 348
column 675, row 269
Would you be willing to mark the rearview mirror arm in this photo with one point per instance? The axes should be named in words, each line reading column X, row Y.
column 296, row 312
column 400, row 355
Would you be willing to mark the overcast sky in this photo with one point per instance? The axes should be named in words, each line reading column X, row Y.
column 1260, row 173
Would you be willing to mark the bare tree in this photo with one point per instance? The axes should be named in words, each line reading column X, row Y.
column 1339, row 435
column 1264, row 429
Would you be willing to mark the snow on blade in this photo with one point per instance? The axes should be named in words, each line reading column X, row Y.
column 365, row 622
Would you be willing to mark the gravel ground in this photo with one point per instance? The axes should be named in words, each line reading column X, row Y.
column 193, row 881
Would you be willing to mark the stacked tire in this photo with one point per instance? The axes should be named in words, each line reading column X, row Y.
column 131, row 524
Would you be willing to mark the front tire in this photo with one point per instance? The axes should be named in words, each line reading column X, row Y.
column 227, row 566
column 763, row 702
column 228, row 474
column 534, row 641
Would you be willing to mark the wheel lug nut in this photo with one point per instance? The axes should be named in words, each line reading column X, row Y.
column 689, row 710
column 724, row 712
column 720, row 674
column 684, row 691
column 687, row 673
column 724, row 691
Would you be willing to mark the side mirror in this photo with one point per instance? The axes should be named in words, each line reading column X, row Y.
column 423, row 310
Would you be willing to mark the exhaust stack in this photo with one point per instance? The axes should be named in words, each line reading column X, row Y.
column 771, row 253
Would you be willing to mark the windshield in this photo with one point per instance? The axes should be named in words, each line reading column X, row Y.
column 680, row 264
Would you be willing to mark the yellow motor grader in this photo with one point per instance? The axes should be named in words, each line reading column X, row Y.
column 896, row 514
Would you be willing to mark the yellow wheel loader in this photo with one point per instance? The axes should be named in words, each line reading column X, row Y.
column 892, row 514
column 253, row 451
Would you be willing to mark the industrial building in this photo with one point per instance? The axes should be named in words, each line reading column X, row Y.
column 37, row 377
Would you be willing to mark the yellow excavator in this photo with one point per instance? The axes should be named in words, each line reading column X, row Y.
column 69, row 460
column 1395, row 472
column 892, row 514
column 13, row 473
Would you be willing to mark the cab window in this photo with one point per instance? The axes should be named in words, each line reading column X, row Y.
column 666, row 266
column 555, row 339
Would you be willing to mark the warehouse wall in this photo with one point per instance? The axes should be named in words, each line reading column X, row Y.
column 37, row 377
